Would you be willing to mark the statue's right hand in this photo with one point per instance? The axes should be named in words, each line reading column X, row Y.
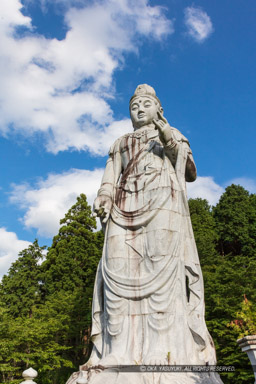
column 102, row 207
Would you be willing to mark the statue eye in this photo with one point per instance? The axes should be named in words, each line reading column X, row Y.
column 134, row 107
column 147, row 104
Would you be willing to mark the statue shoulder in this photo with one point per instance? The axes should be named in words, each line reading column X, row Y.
column 115, row 147
column 179, row 136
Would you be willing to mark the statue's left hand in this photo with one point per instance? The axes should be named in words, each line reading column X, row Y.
column 102, row 207
column 164, row 129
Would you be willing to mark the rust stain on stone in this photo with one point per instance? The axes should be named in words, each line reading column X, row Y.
column 172, row 189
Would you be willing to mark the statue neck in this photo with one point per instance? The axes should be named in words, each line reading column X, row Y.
column 148, row 126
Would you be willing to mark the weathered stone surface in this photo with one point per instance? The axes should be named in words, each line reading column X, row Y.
column 148, row 305
column 148, row 378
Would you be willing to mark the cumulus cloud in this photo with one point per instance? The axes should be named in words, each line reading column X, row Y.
column 206, row 188
column 10, row 246
column 198, row 23
column 48, row 201
column 62, row 88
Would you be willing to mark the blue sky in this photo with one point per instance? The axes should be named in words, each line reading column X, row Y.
column 67, row 71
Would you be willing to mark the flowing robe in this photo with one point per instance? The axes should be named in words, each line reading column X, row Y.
column 148, row 304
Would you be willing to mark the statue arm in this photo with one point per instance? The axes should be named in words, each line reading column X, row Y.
column 172, row 140
column 107, row 182
column 172, row 147
column 104, row 200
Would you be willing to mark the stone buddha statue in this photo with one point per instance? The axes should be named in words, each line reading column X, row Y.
column 148, row 305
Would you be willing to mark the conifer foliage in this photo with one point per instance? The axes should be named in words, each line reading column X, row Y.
column 70, row 268
column 225, row 237
column 45, row 307
column 21, row 288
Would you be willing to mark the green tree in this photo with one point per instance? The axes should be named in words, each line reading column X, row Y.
column 31, row 328
column 229, row 279
column 70, row 267
column 227, row 275
column 235, row 217
column 245, row 322
column 72, row 259
column 45, row 310
column 204, row 228
column 20, row 289
column 37, row 341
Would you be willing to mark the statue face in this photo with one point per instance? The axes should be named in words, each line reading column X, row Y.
column 143, row 110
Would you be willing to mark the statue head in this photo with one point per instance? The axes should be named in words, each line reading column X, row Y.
column 144, row 106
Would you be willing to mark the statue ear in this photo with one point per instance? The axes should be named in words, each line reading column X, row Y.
column 161, row 110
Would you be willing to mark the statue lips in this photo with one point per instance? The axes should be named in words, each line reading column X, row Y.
column 141, row 115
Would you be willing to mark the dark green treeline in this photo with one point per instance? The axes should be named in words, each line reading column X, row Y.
column 45, row 308
column 45, row 301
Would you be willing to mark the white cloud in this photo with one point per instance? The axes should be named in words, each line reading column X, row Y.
column 10, row 246
column 11, row 15
column 47, row 202
column 62, row 88
column 206, row 188
column 198, row 23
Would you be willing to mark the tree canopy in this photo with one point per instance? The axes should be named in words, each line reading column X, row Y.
column 225, row 237
column 45, row 299
column 46, row 307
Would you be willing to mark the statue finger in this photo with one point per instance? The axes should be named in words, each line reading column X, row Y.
column 156, row 122
column 161, row 123
column 161, row 117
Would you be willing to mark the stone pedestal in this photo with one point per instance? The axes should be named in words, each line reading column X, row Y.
column 248, row 345
column 99, row 376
